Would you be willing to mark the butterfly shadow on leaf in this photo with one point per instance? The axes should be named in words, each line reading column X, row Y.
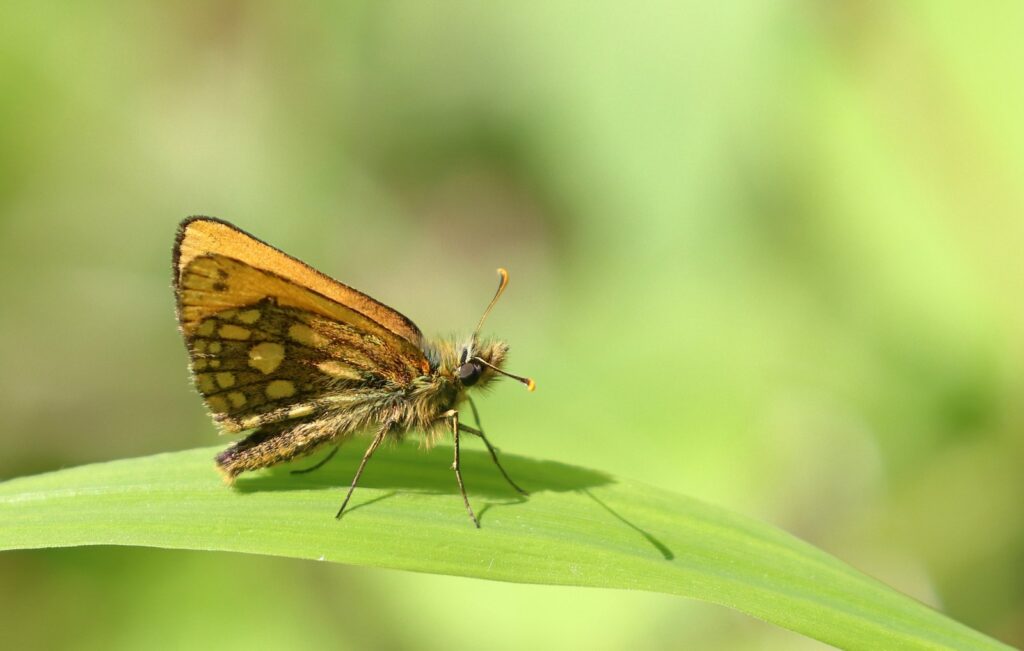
column 405, row 468
column 408, row 468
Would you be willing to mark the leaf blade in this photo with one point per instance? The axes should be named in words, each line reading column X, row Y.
column 578, row 527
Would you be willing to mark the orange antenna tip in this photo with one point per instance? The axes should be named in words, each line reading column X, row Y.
column 530, row 384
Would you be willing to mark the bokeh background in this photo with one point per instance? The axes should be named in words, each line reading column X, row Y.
column 767, row 254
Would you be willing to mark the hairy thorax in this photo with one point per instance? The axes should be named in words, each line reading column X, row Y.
column 422, row 405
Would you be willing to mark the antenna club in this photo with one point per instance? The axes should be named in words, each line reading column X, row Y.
column 530, row 384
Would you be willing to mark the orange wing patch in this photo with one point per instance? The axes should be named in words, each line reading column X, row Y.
column 201, row 236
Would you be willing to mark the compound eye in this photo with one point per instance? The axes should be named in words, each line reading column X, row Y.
column 469, row 373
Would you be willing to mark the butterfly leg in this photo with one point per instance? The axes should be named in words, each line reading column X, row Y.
column 494, row 455
column 362, row 464
column 318, row 464
column 454, row 415
column 490, row 448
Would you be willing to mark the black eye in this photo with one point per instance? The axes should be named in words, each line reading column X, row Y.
column 469, row 373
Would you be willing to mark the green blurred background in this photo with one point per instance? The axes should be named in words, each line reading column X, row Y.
column 767, row 254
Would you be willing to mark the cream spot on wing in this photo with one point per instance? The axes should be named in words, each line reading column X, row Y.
column 199, row 346
column 217, row 403
column 266, row 356
column 205, row 383
column 337, row 369
column 249, row 317
column 250, row 422
column 215, row 347
column 205, row 328
column 306, row 336
column 280, row 389
column 300, row 411
column 214, row 363
column 226, row 315
column 230, row 331
column 237, row 399
column 199, row 365
column 225, row 379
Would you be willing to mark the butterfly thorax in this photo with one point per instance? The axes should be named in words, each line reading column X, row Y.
column 420, row 406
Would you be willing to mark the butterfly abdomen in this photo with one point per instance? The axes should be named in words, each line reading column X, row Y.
column 417, row 407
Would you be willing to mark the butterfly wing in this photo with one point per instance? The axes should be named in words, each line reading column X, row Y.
column 271, row 339
column 198, row 236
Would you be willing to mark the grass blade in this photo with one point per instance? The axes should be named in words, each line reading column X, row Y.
column 578, row 527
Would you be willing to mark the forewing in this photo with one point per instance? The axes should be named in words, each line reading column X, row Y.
column 200, row 236
column 265, row 349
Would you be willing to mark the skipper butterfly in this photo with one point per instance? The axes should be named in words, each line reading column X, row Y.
column 305, row 361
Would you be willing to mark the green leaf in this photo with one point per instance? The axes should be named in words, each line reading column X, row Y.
column 578, row 527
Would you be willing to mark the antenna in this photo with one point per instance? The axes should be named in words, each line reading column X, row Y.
column 530, row 384
column 502, row 283
column 501, row 287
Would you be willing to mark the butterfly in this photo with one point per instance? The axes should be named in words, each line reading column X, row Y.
column 306, row 361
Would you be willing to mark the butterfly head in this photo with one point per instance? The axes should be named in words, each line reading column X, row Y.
column 480, row 362
column 477, row 365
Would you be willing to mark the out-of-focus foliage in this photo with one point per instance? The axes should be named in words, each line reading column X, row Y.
column 766, row 254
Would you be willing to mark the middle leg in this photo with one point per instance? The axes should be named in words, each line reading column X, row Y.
column 454, row 416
